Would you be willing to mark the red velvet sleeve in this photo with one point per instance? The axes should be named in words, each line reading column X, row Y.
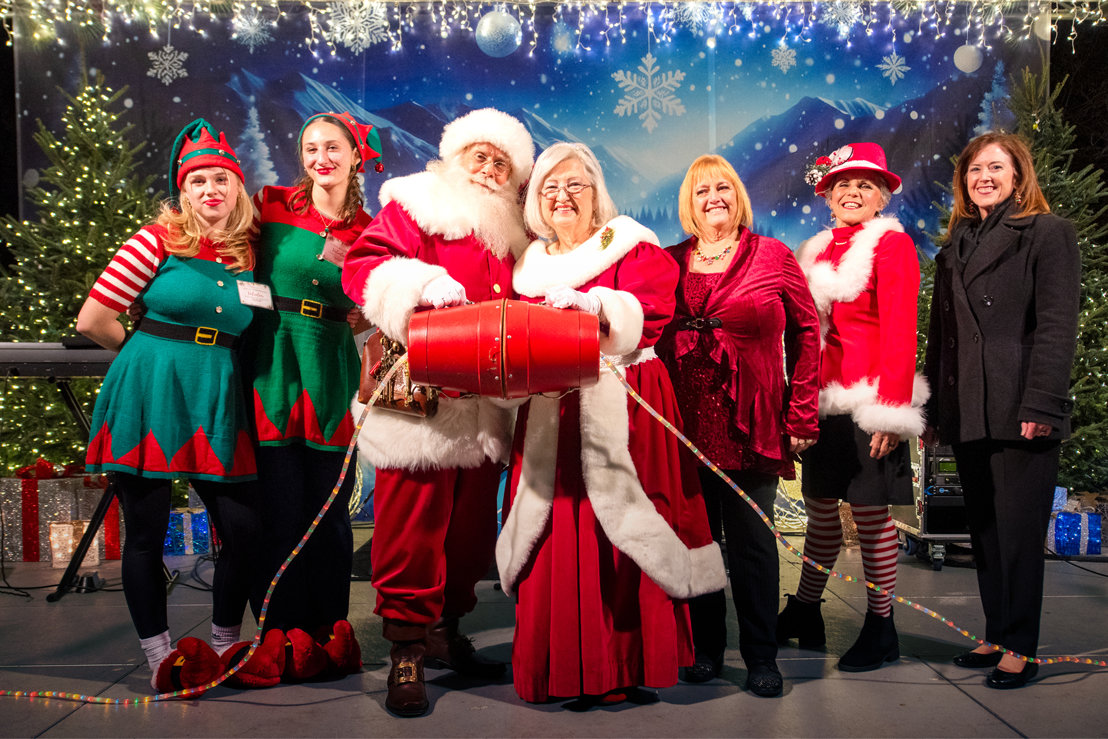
column 896, row 276
column 801, row 352
column 650, row 274
column 391, row 234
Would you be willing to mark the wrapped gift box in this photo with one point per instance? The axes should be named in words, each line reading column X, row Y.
column 1073, row 534
column 188, row 532
column 64, row 540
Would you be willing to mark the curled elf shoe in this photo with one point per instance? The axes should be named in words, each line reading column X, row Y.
column 449, row 649
column 407, row 693
column 192, row 664
column 265, row 666
column 344, row 656
column 304, row 659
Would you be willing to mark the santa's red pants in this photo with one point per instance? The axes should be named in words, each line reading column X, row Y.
column 434, row 537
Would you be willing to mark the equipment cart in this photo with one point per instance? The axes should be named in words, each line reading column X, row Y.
column 938, row 516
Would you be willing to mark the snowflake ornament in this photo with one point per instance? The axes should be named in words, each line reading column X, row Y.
column 648, row 95
column 842, row 14
column 357, row 24
column 893, row 67
column 249, row 28
column 167, row 64
column 784, row 58
column 697, row 16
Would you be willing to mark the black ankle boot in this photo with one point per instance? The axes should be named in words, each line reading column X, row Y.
column 876, row 645
column 802, row 621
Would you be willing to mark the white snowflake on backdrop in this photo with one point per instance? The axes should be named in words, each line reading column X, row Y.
column 893, row 67
column 784, row 58
column 249, row 28
column 697, row 16
column 167, row 64
column 357, row 24
column 842, row 14
column 648, row 95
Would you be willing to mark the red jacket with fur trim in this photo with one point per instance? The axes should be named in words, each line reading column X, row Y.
column 865, row 281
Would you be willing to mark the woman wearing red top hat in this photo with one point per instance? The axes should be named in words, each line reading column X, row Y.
column 305, row 369
column 172, row 403
column 864, row 276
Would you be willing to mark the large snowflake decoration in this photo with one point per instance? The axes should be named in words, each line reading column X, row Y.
column 357, row 24
column 784, row 58
column 893, row 67
column 697, row 16
column 648, row 95
column 249, row 28
column 167, row 64
column 842, row 14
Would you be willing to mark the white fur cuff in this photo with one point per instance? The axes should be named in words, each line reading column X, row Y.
column 708, row 573
column 392, row 294
column 624, row 315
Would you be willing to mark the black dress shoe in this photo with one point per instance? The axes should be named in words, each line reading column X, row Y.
column 764, row 679
column 977, row 660
column 1004, row 680
column 703, row 670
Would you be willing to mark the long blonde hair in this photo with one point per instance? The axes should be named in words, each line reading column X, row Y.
column 232, row 241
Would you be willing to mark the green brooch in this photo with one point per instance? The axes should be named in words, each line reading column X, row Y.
column 606, row 238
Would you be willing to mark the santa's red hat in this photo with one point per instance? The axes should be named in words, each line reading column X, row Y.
column 489, row 126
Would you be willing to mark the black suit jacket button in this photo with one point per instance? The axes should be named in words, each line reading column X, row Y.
column 950, row 381
column 1067, row 406
column 987, row 300
column 950, row 342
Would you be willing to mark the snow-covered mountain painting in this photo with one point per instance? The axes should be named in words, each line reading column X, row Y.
column 769, row 96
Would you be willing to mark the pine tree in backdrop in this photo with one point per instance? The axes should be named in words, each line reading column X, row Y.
column 1081, row 197
column 88, row 201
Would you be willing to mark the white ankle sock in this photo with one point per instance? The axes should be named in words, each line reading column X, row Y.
column 223, row 637
column 156, row 649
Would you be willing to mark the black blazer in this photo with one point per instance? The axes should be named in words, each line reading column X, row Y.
column 1003, row 330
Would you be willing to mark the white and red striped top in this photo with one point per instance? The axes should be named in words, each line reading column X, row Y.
column 131, row 269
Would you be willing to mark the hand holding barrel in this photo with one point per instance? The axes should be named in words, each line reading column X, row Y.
column 443, row 292
column 563, row 296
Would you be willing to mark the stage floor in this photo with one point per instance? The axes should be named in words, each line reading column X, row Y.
column 85, row 643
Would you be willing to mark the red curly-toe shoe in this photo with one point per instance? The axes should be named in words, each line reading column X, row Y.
column 265, row 666
column 192, row 664
column 344, row 655
column 304, row 659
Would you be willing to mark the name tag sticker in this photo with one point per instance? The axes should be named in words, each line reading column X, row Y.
column 334, row 251
column 255, row 294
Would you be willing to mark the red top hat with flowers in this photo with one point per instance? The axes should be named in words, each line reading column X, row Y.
column 863, row 157
column 198, row 145
column 366, row 139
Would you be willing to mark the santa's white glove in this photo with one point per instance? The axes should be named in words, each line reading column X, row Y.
column 443, row 292
column 564, row 296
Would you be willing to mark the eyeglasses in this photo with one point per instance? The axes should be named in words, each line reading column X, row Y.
column 482, row 160
column 550, row 192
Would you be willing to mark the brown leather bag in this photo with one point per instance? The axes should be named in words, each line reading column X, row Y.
column 379, row 354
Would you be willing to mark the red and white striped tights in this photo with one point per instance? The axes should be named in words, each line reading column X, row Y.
column 824, row 540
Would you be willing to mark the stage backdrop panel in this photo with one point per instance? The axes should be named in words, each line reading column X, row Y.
column 649, row 88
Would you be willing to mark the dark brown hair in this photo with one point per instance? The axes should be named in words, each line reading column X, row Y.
column 1025, row 186
column 301, row 200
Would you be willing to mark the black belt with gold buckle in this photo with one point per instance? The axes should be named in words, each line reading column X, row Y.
column 310, row 308
column 202, row 335
column 699, row 324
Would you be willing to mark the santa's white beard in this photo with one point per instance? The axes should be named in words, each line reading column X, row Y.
column 497, row 216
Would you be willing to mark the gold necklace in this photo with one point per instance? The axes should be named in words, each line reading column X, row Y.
column 328, row 223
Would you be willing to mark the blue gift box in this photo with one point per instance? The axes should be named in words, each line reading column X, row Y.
column 188, row 532
column 1073, row 534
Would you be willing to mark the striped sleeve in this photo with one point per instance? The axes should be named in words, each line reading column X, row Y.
column 130, row 271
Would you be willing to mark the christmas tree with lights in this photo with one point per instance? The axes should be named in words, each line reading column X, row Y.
column 1082, row 197
column 87, row 202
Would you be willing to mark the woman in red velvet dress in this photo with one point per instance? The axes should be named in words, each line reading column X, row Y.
column 605, row 534
column 739, row 293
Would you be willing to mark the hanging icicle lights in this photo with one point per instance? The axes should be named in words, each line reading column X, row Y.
column 333, row 24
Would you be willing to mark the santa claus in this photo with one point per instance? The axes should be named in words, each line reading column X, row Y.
column 443, row 237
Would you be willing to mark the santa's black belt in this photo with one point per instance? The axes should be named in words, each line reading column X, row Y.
column 202, row 335
column 699, row 324
column 310, row 308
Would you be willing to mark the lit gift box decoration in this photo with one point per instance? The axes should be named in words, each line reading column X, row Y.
column 188, row 532
column 1074, row 534
column 64, row 539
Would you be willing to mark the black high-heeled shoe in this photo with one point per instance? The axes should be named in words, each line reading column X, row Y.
column 1003, row 680
column 977, row 660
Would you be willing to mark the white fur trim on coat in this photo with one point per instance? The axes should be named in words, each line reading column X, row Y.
column 625, row 513
column 861, row 402
column 537, row 271
column 491, row 126
column 434, row 205
column 622, row 313
column 844, row 282
column 392, row 294
column 463, row 433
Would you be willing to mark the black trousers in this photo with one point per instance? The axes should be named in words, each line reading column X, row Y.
column 752, row 564
column 295, row 481
column 233, row 511
column 1008, row 488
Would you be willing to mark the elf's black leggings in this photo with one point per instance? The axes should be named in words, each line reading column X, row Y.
column 146, row 503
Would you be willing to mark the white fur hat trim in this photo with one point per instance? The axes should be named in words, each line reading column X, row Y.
column 491, row 126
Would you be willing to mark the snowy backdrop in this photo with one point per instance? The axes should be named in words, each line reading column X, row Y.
column 769, row 98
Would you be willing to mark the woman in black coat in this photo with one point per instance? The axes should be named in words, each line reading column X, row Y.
column 999, row 353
